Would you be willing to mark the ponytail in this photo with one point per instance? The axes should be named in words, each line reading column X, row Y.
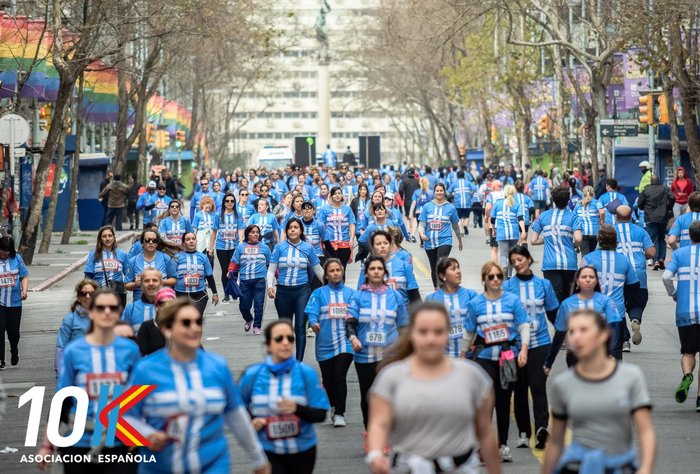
column 510, row 193
column 588, row 193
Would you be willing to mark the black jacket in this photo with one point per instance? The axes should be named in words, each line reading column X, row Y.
column 408, row 186
column 656, row 201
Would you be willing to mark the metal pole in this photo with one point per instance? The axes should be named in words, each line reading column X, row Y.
column 652, row 131
column 15, row 185
column 36, row 138
column 179, row 162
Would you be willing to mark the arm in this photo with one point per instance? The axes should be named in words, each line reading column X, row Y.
column 557, row 341
column 668, row 278
column 24, row 282
column 212, row 284
column 239, row 423
column 555, row 446
column 487, row 437
column 310, row 414
column 378, row 434
column 455, row 229
column 535, row 239
column 672, row 242
column 318, row 271
column 647, row 440
column 578, row 238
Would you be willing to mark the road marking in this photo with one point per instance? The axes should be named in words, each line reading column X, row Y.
column 423, row 269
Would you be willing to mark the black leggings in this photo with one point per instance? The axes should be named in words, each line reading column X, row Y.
column 434, row 256
column 334, row 372
column 101, row 468
column 199, row 298
column 532, row 378
column 224, row 257
column 297, row 463
column 562, row 282
column 10, row 319
column 588, row 244
column 366, row 374
column 502, row 399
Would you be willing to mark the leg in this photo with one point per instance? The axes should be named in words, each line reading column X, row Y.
column 616, row 340
column 277, row 462
column 327, row 367
column 340, row 375
column 109, row 216
column 3, row 328
column 503, row 248
column 521, row 404
column 344, row 256
column 246, row 300
column 503, row 412
column 537, row 381
column 557, row 282
column 301, row 298
column 119, row 217
column 284, row 303
column 224, row 257
column 303, row 462
column 661, row 249
column 443, row 252
column 14, row 318
column 259, row 293
column 365, row 376
column 432, row 259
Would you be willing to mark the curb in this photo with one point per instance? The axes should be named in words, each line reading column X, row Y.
column 49, row 282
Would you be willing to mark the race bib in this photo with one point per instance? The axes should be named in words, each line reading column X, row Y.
column 7, row 280
column 435, row 225
column 249, row 250
column 456, row 331
column 228, row 234
column 281, row 427
column 176, row 427
column 95, row 381
column 338, row 310
column 161, row 205
column 496, row 333
column 176, row 239
column 376, row 338
column 192, row 279
column 110, row 265
column 391, row 283
column 534, row 325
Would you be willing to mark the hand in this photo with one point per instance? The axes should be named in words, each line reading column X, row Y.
column 259, row 423
column 158, row 440
column 43, row 464
column 460, row 245
column 271, row 292
column 210, row 252
column 287, row 407
column 380, row 465
column 356, row 344
column 266, row 469
column 137, row 280
column 522, row 358
column 215, row 299
column 546, row 370
column 24, row 294
column 523, row 237
column 316, row 327
column 423, row 236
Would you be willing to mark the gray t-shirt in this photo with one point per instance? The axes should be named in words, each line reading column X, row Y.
column 434, row 417
column 600, row 411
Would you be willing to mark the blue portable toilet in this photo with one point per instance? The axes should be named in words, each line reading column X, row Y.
column 93, row 168
column 627, row 171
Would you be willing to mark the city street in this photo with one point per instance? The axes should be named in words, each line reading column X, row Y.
column 340, row 449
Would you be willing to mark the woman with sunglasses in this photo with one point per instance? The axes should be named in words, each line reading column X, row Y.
column 327, row 311
column 206, row 225
column 379, row 221
column 96, row 363
column 499, row 327
column 434, row 410
column 604, row 402
column 230, row 225
column 376, row 313
column 173, row 224
column 539, row 300
column 455, row 298
column 285, row 399
column 194, row 397
column 267, row 223
column 587, row 295
column 149, row 257
column 250, row 261
column 296, row 259
column 339, row 223
column 244, row 210
column 108, row 264
column 149, row 336
column 194, row 273
column 314, row 235
column 367, row 217
column 75, row 324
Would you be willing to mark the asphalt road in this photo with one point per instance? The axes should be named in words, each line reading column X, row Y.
column 340, row 449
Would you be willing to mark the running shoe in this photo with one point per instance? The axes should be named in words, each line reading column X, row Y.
column 683, row 387
column 697, row 405
column 626, row 346
column 542, row 436
column 636, row 332
column 339, row 421
column 310, row 333
column 226, row 299
column 14, row 360
column 2, row 365
column 247, row 325
column 257, row 331
column 661, row 264
column 523, row 441
column 504, row 453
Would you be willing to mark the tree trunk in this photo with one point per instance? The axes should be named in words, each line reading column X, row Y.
column 672, row 121
column 142, row 171
column 122, row 149
column 75, row 165
column 562, row 108
column 194, row 123
column 27, row 243
column 55, row 185
column 489, row 150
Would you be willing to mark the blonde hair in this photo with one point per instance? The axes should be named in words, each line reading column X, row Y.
column 424, row 184
column 588, row 193
column 509, row 193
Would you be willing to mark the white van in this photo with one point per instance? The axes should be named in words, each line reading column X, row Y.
column 275, row 157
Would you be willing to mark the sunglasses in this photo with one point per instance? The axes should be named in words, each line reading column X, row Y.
column 307, row 208
column 204, row 184
column 229, row 201
column 188, row 322
column 161, row 189
column 175, row 207
column 290, row 339
column 495, row 277
column 103, row 307
column 85, row 293
column 150, row 241
column 244, row 194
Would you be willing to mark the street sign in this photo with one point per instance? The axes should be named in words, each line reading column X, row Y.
column 20, row 152
column 13, row 128
column 618, row 128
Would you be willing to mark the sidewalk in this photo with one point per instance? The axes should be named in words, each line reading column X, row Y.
column 61, row 260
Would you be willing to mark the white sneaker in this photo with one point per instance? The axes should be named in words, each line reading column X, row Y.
column 523, row 441
column 626, row 346
column 636, row 332
column 310, row 333
column 339, row 421
column 504, row 453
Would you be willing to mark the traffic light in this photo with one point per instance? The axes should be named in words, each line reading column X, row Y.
column 646, row 109
column 45, row 116
column 663, row 109
column 180, row 138
column 494, row 135
column 150, row 133
column 543, row 125
column 164, row 139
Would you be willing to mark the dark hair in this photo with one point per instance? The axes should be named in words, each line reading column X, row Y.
column 694, row 232
column 607, row 237
column 98, row 245
column 443, row 265
column 378, row 206
column 460, row 174
column 522, row 251
column 79, row 287
column 598, row 319
column 577, row 289
column 377, row 233
column 694, row 201
column 519, row 186
column 248, row 230
column 267, row 332
column 185, row 235
column 334, row 189
column 223, row 206
column 396, row 235
column 561, row 196
column 95, row 295
column 375, row 258
column 329, row 262
column 143, row 235
column 7, row 244
column 612, row 182
column 442, row 185
column 291, row 221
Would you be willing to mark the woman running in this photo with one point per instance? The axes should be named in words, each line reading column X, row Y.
column 108, row 264
column 173, row 224
column 244, row 210
column 96, row 363
column 456, row 299
column 499, row 327
column 266, row 222
column 539, row 300
column 359, row 206
column 297, row 201
column 205, row 225
column 314, row 235
column 327, row 311
column 510, row 226
column 322, row 199
column 434, row 410
column 76, row 323
column 339, row 223
column 250, row 261
column 227, row 236
column 438, row 220
column 149, row 257
column 604, row 401
column 587, row 295
column 376, row 314
column 377, row 199
column 194, row 273
column 379, row 222
column 296, row 259
column 285, row 399
column 589, row 212
column 420, row 198
column 193, row 397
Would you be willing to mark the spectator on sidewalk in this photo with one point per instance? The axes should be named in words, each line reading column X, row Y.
column 103, row 184
column 132, row 198
column 657, row 201
column 116, row 193
column 682, row 187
